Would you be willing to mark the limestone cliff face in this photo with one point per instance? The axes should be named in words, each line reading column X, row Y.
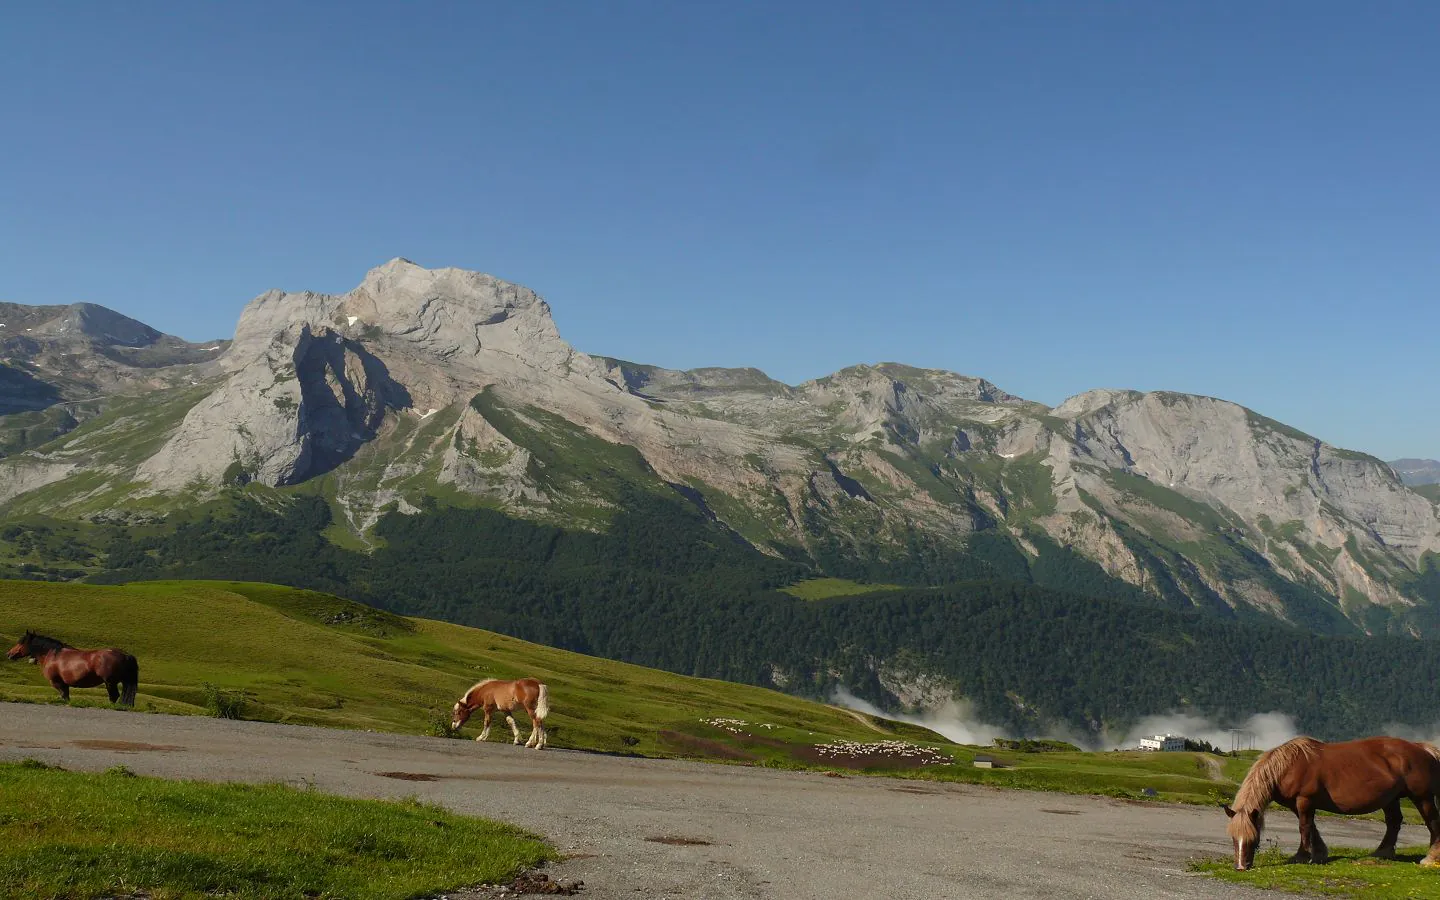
column 310, row 378
column 1316, row 513
column 420, row 382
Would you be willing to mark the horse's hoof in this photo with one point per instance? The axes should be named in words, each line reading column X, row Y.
column 1430, row 862
column 1384, row 854
column 1299, row 858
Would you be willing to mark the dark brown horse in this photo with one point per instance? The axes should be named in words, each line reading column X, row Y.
column 65, row 667
column 1307, row 776
column 491, row 695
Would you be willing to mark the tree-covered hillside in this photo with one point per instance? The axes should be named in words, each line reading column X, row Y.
column 1032, row 642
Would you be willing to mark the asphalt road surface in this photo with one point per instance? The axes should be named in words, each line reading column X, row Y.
column 728, row 831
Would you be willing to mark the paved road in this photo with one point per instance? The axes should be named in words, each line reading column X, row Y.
column 765, row 833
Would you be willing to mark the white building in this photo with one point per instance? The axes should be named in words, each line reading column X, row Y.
column 1163, row 742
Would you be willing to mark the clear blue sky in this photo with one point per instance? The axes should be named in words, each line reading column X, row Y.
column 1234, row 199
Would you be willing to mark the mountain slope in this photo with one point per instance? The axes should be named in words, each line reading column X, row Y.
column 59, row 365
column 424, row 384
column 664, row 587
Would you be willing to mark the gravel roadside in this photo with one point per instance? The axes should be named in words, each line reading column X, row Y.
column 670, row 829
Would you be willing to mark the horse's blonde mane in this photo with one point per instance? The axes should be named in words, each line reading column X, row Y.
column 479, row 684
column 1259, row 785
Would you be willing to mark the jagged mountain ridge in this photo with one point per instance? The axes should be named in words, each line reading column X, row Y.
column 422, row 382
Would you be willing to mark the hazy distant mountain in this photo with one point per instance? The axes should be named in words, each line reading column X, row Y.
column 451, row 384
column 1417, row 471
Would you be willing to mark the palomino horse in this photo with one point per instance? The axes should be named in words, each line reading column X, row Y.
column 492, row 694
column 65, row 667
column 1352, row 778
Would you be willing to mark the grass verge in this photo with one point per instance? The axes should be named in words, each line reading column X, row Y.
column 1351, row 872
column 81, row 835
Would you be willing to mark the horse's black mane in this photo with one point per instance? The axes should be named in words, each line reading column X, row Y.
column 40, row 645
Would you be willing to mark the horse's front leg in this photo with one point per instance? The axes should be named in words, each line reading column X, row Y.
column 59, row 684
column 1306, row 815
column 1426, row 805
column 1394, row 818
column 1319, row 853
column 485, row 727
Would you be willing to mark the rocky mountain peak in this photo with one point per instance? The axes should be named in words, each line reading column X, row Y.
column 75, row 322
column 402, row 288
column 313, row 376
column 100, row 324
column 1092, row 401
column 450, row 315
column 897, row 378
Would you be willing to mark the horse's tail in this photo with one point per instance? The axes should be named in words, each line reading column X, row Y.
column 542, row 703
column 129, row 680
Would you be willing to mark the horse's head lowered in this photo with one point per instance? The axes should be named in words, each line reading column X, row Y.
column 22, row 647
column 1245, row 828
column 459, row 715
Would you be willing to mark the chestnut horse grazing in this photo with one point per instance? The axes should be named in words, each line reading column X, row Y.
column 1352, row 778
column 65, row 667
column 492, row 694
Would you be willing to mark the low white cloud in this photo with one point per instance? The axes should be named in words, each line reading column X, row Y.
column 1430, row 734
column 1261, row 731
column 955, row 720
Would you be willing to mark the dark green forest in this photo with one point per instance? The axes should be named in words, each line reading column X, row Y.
column 1030, row 641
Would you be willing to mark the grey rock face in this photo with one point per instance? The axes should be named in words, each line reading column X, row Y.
column 313, row 377
column 1278, row 491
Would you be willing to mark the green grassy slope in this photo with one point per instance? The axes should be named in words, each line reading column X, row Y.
column 310, row 658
